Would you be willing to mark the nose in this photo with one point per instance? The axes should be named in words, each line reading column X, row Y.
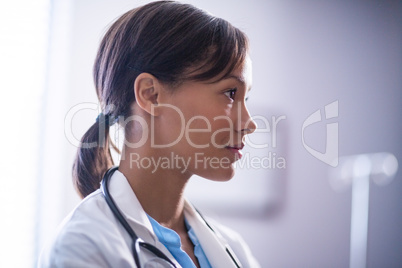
column 246, row 124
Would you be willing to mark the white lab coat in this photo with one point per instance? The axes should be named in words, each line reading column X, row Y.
column 91, row 236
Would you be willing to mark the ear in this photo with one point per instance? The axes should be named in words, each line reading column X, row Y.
column 146, row 90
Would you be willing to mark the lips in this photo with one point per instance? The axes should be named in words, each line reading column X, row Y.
column 236, row 149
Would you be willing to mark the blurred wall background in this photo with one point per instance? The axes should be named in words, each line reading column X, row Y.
column 306, row 54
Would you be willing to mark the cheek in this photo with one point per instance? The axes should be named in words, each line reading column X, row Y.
column 212, row 128
column 198, row 131
column 169, row 127
column 222, row 129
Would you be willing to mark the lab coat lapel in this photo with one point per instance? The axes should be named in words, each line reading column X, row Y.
column 130, row 207
column 213, row 247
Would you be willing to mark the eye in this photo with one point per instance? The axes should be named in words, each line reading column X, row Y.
column 231, row 93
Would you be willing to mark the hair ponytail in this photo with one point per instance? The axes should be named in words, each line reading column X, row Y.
column 93, row 157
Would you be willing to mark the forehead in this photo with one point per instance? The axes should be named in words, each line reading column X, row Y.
column 247, row 71
column 243, row 73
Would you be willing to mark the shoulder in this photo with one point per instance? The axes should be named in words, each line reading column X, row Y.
column 237, row 244
column 81, row 238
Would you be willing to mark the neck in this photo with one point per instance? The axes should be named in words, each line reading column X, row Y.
column 159, row 190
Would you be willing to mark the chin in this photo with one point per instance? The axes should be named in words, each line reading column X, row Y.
column 221, row 174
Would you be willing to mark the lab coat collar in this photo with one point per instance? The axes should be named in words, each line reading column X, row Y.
column 131, row 209
column 213, row 244
column 128, row 203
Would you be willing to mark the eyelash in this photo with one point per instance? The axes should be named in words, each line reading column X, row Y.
column 231, row 93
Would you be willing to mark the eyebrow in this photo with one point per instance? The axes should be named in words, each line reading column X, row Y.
column 239, row 79
column 231, row 76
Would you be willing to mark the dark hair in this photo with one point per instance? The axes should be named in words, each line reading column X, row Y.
column 175, row 42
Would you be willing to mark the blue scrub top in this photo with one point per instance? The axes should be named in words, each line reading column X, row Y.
column 171, row 240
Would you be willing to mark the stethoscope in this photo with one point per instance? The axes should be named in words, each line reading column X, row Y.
column 137, row 242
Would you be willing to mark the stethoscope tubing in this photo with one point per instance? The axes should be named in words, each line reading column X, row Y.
column 138, row 242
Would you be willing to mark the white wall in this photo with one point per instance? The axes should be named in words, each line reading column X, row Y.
column 306, row 54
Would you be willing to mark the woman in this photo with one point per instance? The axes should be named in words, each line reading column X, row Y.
column 176, row 79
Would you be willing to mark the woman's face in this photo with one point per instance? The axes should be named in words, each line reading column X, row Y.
column 204, row 125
